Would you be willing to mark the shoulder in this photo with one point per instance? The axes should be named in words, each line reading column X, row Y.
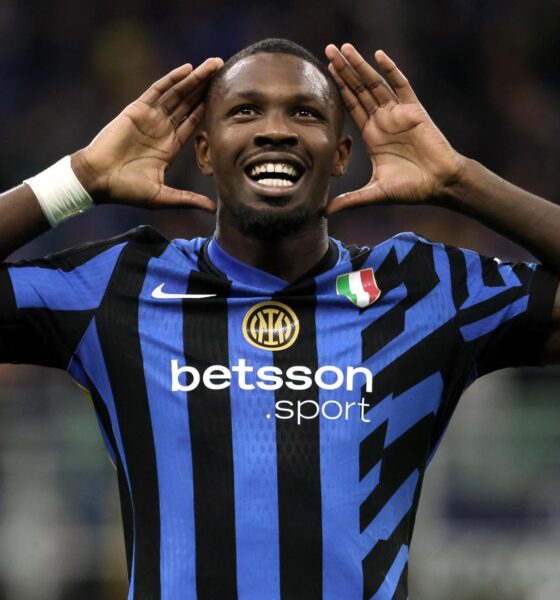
column 396, row 248
column 71, row 258
column 75, row 278
column 66, row 260
column 406, row 241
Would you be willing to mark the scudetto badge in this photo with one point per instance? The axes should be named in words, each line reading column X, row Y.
column 271, row 325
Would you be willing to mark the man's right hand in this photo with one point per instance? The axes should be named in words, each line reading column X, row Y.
column 126, row 162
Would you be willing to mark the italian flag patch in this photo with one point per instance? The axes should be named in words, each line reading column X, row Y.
column 359, row 287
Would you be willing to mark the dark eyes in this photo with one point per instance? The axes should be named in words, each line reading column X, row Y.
column 306, row 113
column 248, row 110
column 245, row 111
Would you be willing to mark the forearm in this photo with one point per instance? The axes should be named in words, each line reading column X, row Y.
column 529, row 220
column 22, row 218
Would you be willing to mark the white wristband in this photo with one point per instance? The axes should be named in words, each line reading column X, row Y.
column 59, row 192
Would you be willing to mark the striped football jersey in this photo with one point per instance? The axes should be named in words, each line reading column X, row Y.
column 271, row 438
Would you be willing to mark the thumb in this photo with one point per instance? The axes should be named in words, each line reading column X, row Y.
column 169, row 197
column 372, row 193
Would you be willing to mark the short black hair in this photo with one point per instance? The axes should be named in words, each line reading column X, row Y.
column 282, row 46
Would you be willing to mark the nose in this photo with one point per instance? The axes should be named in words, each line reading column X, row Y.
column 275, row 130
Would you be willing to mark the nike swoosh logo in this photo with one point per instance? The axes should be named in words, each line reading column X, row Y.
column 161, row 295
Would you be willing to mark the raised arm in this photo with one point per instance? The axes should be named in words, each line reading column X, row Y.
column 126, row 162
column 413, row 163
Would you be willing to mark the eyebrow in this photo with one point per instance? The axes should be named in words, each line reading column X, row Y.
column 296, row 98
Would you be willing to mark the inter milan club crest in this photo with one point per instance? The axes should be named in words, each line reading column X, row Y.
column 359, row 287
column 271, row 325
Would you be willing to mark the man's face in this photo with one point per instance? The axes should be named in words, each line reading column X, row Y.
column 271, row 142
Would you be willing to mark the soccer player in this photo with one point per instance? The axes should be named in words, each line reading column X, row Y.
column 269, row 396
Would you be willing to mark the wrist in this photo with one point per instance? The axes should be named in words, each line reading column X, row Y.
column 59, row 192
column 456, row 187
column 87, row 175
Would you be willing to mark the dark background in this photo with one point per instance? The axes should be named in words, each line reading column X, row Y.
column 486, row 70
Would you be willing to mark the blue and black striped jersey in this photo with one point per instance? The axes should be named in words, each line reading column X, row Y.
column 270, row 438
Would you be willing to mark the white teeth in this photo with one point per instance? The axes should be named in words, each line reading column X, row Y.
column 273, row 168
column 275, row 182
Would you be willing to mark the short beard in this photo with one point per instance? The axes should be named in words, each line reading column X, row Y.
column 266, row 224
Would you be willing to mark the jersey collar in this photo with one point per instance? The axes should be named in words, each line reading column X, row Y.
column 215, row 258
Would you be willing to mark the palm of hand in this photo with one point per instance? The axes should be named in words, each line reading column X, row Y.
column 144, row 143
column 406, row 150
column 129, row 157
column 412, row 162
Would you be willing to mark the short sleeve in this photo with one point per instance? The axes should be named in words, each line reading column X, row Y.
column 503, row 310
column 47, row 304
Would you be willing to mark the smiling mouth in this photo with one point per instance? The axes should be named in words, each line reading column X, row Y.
column 277, row 174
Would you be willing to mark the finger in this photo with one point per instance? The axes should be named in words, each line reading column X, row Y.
column 400, row 83
column 347, row 73
column 351, row 102
column 189, row 124
column 193, row 83
column 156, row 90
column 369, row 77
column 187, row 106
column 169, row 197
column 369, row 194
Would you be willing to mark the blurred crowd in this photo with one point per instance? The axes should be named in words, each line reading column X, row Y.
column 486, row 70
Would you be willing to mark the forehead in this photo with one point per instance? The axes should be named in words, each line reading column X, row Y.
column 275, row 74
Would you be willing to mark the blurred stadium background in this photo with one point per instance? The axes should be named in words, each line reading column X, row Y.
column 487, row 70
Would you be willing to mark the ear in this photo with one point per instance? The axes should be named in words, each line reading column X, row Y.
column 203, row 154
column 342, row 156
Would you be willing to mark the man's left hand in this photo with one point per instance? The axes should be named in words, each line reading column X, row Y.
column 412, row 162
